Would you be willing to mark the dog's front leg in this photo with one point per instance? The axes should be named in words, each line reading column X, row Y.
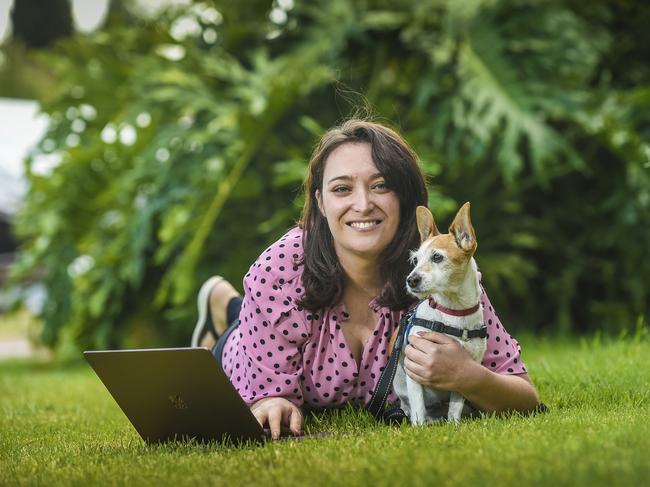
column 416, row 401
column 400, row 387
column 456, row 403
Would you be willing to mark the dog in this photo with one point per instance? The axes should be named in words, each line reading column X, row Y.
column 445, row 278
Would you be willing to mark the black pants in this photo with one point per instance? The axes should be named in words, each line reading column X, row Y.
column 234, row 306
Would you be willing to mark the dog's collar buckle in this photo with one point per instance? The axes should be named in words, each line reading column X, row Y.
column 464, row 337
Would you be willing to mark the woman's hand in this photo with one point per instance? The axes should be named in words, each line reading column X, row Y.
column 279, row 413
column 437, row 361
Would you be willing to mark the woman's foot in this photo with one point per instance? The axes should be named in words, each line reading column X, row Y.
column 213, row 299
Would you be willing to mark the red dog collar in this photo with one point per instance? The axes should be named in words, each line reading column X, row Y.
column 454, row 312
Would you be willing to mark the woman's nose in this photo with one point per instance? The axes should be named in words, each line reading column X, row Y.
column 363, row 201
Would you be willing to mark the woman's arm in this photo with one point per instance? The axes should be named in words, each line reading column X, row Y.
column 265, row 363
column 439, row 361
column 492, row 392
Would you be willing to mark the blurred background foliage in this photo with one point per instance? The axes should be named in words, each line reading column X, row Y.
column 178, row 144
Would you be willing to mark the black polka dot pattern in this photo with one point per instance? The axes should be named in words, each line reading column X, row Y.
column 502, row 354
column 283, row 350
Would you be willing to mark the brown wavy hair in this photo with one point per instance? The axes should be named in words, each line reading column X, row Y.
column 323, row 276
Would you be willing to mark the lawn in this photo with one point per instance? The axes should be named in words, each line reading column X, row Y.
column 59, row 426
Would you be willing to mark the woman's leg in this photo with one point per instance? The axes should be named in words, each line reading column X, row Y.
column 213, row 304
column 232, row 313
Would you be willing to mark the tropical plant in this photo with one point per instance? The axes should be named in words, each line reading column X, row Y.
column 176, row 150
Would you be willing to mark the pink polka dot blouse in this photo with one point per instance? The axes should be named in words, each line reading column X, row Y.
column 283, row 350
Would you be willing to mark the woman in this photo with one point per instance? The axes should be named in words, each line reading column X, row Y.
column 321, row 303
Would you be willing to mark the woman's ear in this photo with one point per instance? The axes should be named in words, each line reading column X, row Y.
column 319, row 199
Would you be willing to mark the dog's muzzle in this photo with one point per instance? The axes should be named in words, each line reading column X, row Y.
column 414, row 281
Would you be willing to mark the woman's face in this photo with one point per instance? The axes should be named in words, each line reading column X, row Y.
column 361, row 212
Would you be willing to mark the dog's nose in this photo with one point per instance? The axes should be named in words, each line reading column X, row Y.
column 414, row 281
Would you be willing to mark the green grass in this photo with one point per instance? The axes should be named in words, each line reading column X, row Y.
column 59, row 426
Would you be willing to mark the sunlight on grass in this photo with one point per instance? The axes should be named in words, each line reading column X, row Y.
column 60, row 426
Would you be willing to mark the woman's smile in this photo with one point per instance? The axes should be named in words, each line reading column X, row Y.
column 365, row 225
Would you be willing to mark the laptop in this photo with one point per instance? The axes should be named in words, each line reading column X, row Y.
column 176, row 394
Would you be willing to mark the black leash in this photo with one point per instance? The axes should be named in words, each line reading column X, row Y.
column 376, row 404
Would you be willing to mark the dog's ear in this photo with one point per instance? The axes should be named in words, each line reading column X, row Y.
column 426, row 225
column 461, row 228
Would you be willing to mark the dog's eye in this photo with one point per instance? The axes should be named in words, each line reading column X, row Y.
column 437, row 258
column 414, row 260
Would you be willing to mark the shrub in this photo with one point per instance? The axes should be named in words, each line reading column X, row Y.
column 179, row 144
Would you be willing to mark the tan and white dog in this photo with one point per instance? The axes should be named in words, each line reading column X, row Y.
column 446, row 273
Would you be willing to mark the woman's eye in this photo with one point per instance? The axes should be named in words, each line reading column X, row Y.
column 339, row 189
column 381, row 186
column 437, row 258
